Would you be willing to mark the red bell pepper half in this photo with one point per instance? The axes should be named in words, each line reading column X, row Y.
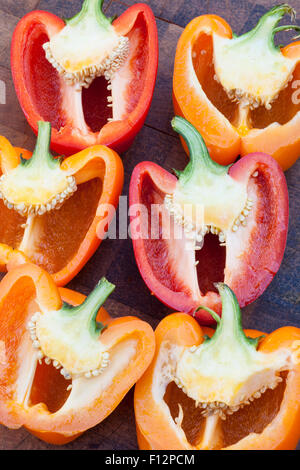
column 215, row 224
column 91, row 77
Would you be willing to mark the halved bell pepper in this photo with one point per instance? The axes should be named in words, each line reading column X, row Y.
column 223, row 389
column 209, row 224
column 92, row 78
column 52, row 210
column 240, row 92
column 65, row 365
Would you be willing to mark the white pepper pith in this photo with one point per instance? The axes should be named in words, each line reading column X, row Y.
column 70, row 338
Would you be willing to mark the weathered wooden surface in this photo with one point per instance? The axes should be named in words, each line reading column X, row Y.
column 278, row 306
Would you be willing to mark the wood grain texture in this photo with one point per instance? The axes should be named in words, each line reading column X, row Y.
column 18, row 8
column 7, row 24
column 278, row 306
column 64, row 8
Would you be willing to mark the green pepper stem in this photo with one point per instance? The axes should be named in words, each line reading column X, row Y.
column 287, row 27
column 42, row 155
column 231, row 312
column 200, row 160
column 91, row 8
column 230, row 324
column 209, row 310
column 89, row 308
column 266, row 26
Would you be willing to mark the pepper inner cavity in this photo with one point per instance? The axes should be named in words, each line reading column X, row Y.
column 210, row 263
column 235, row 423
column 49, row 387
column 192, row 421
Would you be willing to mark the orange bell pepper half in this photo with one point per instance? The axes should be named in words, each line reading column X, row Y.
column 223, row 389
column 65, row 365
column 240, row 92
column 53, row 209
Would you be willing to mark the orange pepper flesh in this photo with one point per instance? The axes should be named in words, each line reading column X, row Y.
column 19, row 290
column 69, row 236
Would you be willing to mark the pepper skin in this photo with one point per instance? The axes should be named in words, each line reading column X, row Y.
column 112, row 109
column 241, row 241
column 224, row 103
column 37, row 392
column 57, row 227
column 167, row 417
